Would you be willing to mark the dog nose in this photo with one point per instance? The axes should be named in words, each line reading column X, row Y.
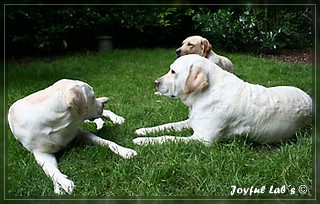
column 157, row 82
column 178, row 52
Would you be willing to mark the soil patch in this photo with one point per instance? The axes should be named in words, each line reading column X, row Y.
column 287, row 55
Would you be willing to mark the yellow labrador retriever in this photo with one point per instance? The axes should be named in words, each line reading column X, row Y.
column 201, row 46
column 47, row 120
column 222, row 106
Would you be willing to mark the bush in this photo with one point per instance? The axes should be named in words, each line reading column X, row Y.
column 264, row 29
column 43, row 29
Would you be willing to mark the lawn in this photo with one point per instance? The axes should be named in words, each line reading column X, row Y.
column 126, row 77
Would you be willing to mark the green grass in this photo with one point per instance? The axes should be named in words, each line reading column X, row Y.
column 126, row 77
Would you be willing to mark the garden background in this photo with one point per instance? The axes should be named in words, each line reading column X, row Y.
column 57, row 29
column 269, row 45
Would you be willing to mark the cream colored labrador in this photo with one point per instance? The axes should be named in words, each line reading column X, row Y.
column 222, row 105
column 201, row 46
column 47, row 120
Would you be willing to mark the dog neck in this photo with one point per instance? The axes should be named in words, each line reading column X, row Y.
column 188, row 99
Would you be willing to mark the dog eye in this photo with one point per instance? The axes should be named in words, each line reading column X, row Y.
column 190, row 44
column 172, row 71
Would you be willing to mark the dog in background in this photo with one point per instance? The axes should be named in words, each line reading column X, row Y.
column 201, row 46
column 47, row 120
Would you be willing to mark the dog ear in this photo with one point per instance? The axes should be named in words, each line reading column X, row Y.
column 196, row 80
column 206, row 47
column 76, row 100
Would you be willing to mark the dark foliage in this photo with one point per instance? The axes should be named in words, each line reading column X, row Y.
column 45, row 29
column 265, row 29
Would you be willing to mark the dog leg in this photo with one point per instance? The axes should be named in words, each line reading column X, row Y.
column 163, row 139
column 122, row 151
column 159, row 140
column 178, row 126
column 49, row 165
column 113, row 117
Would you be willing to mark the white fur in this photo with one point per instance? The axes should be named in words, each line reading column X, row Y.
column 46, row 121
column 221, row 61
column 226, row 106
column 108, row 114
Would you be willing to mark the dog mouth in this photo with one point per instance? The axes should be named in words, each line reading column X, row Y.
column 166, row 93
column 163, row 90
column 92, row 119
column 97, row 115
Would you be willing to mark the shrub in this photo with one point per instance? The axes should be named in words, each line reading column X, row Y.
column 42, row 29
column 262, row 28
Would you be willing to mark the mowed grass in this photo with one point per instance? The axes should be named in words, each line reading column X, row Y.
column 188, row 170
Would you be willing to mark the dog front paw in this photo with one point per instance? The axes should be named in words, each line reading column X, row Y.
column 117, row 119
column 124, row 152
column 129, row 154
column 63, row 185
column 113, row 117
column 99, row 122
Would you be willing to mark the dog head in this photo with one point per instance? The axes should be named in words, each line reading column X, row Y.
column 81, row 100
column 194, row 45
column 187, row 75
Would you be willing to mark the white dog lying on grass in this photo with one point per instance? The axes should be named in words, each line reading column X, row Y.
column 222, row 105
column 46, row 121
